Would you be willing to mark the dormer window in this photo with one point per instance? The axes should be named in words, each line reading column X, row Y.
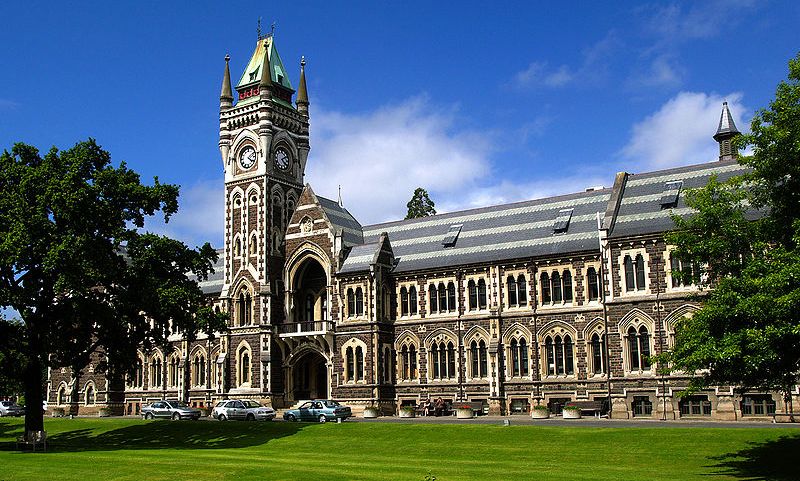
column 452, row 235
column 254, row 74
column 562, row 221
column 669, row 198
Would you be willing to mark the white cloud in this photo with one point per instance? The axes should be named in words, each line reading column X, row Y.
column 663, row 71
column 6, row 104
column 680, row 132
column 200, row 217
column 538, row 73
column 380, row 157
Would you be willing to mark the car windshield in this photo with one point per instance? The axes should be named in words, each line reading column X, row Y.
column 6, row 403
column 251, row 404
column 331, row 404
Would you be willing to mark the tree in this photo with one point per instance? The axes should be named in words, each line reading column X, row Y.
column 77, row 269
column 420, row 205
column 747, row 232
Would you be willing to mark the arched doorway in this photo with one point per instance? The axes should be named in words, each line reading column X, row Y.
column 309, row 377
column 310, row 294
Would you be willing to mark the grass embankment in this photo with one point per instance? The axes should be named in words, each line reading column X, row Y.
column 130, row 449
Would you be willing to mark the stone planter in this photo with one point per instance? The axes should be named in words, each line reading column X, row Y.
column 464, row 413
column 540, row 413
column 371, row 412
column 408, row 413
column 571, row 414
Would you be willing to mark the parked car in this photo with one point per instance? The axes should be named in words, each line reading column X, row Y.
column 10, row 408
column 174, row 410
column 321, row 410
column 244, row 409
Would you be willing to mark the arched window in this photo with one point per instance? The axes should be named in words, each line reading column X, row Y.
column 359, row 302
column 451, row 360
column 244, row 308
column 684, row 272
column 560, row 355
column 473, row 295
column 432, row 299
column 359, row 363
column 551, row 360
column 435, row 360
column 138, row 373
column 511, row 286
column 644, row 347
column 630, row 278
column 173, row 371
column 156, row 373
column 519, row 357
column 237, row 247
column 593, row 284
column 387, row 362
column 481, row 294
column 522, row 290
column 567, row 282
column 555, row 281
column 479, row 359
column 640, row 282
column 569, row 364
column 253, row 244
column 451, row 297
column 559, row 349
column 408, row 355
column 277, row 212
column 412, row 301
column 544, row 281
column 61, row 398
column 90, row 397
column 350, row 364
column 199, row 368
column 403, row 301
column 244, row 366
column 442, row 298
column 598, row 353
column 634, row 355
column 351, row 303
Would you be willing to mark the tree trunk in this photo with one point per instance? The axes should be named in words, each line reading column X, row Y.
column 34, row 415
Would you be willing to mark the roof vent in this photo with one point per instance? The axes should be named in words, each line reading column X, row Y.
column 594, row 188
column 669, row 198
column 452, row 235
column 562, row 221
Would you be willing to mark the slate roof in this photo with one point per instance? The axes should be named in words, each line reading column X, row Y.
column 213, row 285
column 342, row 219
column 640, row 211
column 501, row 232
column 526, row 229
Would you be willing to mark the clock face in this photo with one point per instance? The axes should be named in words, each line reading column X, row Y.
column 247, row 157
column 281, row 159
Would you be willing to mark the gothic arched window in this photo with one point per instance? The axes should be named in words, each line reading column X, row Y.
column 544, row 281
column 412, row 300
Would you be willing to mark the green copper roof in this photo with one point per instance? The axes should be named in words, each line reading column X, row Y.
column 252, row 74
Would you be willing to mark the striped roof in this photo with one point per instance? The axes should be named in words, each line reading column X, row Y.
column 341, row 218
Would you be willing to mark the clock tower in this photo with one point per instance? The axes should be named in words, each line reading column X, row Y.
column 263, row 140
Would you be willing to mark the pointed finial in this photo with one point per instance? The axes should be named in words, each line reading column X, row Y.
column 725, row 132
column 272, row 29
column 266, row 73
column 302, row 90
column 258, row 29
column 341, row 204
column 226, row 95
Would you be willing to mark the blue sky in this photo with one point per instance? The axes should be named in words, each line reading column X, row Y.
column 480, row 103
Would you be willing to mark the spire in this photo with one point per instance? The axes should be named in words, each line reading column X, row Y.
column 725, row 132
column 226, row 96
column 341, row 204
column 302, row 92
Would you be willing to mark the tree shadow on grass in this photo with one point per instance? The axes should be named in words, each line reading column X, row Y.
column 167, row 435
column 774, row 460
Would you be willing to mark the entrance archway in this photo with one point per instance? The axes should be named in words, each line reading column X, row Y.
column 309, row 377
column 310, row 297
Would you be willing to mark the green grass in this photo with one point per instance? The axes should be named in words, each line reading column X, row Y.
column 130, row 449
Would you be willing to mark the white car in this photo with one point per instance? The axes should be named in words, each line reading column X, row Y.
column 10, row 408
column 244, row 409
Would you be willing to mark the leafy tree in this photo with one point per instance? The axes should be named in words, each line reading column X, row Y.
column 420, row 205
column 10, row 357
column 747, row 232
column 81, row 275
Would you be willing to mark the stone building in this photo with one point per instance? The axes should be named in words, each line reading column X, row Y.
column 536, row 302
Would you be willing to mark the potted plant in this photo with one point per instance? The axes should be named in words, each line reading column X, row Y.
column 407, row 412
column 59, row 412
column 103, row 412
column 540, row 411
column 464, row 411
column 371, row 412
column 571, row 412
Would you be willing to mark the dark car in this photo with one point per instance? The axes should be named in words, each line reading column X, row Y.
column 321, row 410
column 10, row 408
column 174, row 410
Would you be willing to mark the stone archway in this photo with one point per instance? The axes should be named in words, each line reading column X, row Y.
column 308, row 377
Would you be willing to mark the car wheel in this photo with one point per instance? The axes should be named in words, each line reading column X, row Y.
column 322, row 418
column 291, row 418
column 250, row 417
column 176, row 417
column 223, row 417
column 148, row 416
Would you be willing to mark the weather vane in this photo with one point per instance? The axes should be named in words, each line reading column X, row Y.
column 271, row 30
column 258, row 29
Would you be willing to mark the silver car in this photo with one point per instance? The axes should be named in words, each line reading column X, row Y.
column 244, row 409
column 174, row 410
column 10, row 408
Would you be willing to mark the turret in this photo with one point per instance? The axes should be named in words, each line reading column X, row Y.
column 302, row 92
column 725, row 133
column 226, row 96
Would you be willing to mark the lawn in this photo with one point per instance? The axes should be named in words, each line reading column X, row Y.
column 130, row 449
